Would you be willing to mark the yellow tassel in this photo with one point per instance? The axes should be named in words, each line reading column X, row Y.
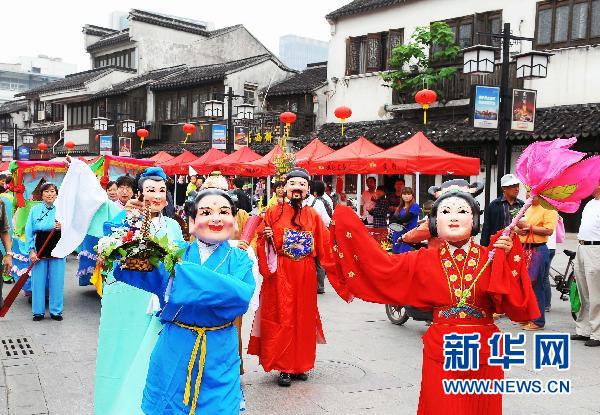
column 188, row 381
column 97, row 279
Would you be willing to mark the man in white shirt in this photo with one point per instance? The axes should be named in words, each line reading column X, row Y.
column 587, row 273
column 367, row 200
column 325, row 209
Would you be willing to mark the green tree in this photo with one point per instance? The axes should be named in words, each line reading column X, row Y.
column 411, row 64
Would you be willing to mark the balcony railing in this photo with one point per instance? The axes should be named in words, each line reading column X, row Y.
column 458, row 86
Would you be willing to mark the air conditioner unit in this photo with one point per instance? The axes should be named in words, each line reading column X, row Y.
column 41, row 115
column 26, row 116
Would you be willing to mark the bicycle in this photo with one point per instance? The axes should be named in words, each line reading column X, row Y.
column 563, row 281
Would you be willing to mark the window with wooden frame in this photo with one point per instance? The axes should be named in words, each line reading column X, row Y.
column 371, row 52
column 79, row 116
column 567, row 23
column 467, row 30
column 122, row 59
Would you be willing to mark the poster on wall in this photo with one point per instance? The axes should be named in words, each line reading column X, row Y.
column 7, row 153
column 240, row 137
column 125, row 146
column 23, row 152
column 105, row 145
column 486, row 106
column 523, row 110
column 219, row 136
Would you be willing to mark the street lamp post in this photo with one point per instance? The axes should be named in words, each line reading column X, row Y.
column 530, row 65
column 214, row 109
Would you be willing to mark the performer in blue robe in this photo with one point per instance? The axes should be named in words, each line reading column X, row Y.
column 194, row 367
column 128, row 327
column 52, row 270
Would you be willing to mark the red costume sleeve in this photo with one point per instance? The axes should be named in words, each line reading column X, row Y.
column 261, row 251
column 510, row 287
column 366, row 271
column 418, row 234
column 324, row 251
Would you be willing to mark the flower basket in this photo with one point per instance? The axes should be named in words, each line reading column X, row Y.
column 135, row 249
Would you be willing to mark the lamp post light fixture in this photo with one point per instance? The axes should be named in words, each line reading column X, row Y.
column 4, row 137
column 128, row 126
column 27, row 138
column 479, row 59
column 100, row 123
column 213, row 108
column 245, row 111
column 532, row 64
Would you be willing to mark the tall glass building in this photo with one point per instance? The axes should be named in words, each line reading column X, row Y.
column 296, row 52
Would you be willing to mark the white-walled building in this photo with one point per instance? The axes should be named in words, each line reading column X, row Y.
column 363, row 33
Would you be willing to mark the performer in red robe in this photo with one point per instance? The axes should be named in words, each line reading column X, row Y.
column 287, row 325
column 438, row 279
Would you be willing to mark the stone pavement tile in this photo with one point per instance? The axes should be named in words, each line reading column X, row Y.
column 27, row 402
column 270, row 399
column 3, row 400
column 24, row 369
column 23, row 382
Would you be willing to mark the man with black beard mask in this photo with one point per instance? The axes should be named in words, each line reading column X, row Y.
column 287, row 325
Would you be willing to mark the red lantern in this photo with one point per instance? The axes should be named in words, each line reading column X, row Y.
column 97, row 137
column 188, row 129
column 69, row 146
column 42, row 147
column 425, row 97
column 288, row 118
column 142, row 133
column 342, row 113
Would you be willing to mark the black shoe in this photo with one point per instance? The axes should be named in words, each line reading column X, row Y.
column 8, row 281
column 56, row 317
column 284, row 379
column 299, row 376
column 592, row 343
column 548, row 308
column 38, row 317
column 29, row 299
column 579, row 337
column 320, row 291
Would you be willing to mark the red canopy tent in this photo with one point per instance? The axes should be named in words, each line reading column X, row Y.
column 346, row 160
column 179, row 164
column 4, row 165
column 161, row 157
column 263, row 166
column 419, row 155
column 232, row 163
column 313, row 150
column 202, row 164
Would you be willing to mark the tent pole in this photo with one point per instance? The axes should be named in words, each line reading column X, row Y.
column 175, row 192
column 268, row 194
column 417, row 174
column 358, row 193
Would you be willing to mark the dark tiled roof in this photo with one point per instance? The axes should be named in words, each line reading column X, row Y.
column 224, row 30
column 139, row 81
column 109, row 40
column 79, row 150
column 75, row 80
column 554, row 122
column 201, row 74
column 49, row 128
column 306, row 81
column 361, row 6
column 93, row 30
column 171, row 22
column 13, row 106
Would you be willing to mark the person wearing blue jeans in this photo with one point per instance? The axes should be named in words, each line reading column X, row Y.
column 40, row 221
column 534, row 229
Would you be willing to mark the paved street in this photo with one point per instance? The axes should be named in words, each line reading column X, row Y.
column 369, row 366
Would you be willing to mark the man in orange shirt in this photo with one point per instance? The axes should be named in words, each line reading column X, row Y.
column 534, row 230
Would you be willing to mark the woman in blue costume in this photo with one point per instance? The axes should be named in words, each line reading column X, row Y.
column 194, row 367
column 407, row 216
column 40, row 221
column 128, row 327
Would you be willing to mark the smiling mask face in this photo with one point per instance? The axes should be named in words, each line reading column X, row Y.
column 214, row 220
column 454, row 220
column 155, row 193
column 296, row 188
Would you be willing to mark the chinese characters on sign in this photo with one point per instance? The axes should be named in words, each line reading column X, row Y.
column 486, row 106
column 551, row 350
